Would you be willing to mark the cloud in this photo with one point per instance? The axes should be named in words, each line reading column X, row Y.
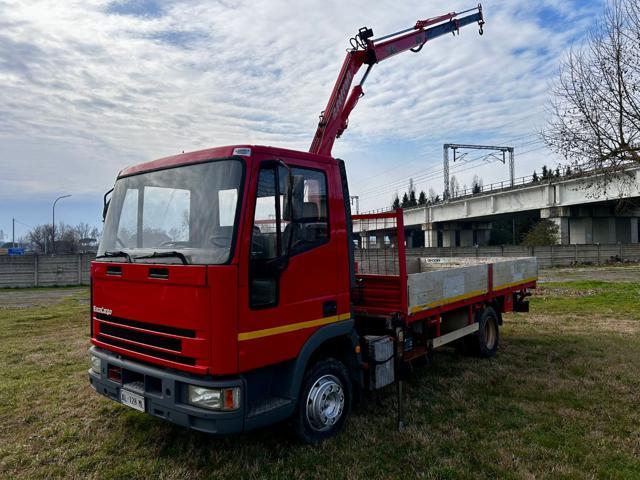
column 88, row 87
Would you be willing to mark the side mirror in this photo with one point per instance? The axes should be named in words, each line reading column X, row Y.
column 105, row 207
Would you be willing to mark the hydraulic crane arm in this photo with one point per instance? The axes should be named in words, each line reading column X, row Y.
column 366, row 50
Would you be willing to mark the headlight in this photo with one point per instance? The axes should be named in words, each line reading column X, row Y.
column 96, row 364
column 214, row 398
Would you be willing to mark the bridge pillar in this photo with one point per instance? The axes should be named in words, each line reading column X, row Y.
column 559, row 216
column 581, row 230
column 363, row 240
column 604, row 230
column 466, row 238
column 449, row 238
column 482, row 237
column 430, row 236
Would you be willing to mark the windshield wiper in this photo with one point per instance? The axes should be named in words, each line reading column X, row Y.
column 115, row 254
column 172, row 253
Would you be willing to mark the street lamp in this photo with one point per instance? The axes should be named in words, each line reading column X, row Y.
column 53, row 224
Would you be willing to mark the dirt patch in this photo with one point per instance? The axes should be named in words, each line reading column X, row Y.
column 608, row 273
column 549, row 292
column 34, row 297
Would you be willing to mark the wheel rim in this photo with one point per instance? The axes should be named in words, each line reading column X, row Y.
column 325, row 403
column 490, row 334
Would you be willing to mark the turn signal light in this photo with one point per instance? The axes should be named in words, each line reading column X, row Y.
column 114, row 373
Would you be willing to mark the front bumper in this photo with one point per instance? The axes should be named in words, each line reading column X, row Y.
column 165, row 394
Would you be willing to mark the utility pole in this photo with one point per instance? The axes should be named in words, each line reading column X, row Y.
column 13, row 232
column 53, row 224
column 455, row 147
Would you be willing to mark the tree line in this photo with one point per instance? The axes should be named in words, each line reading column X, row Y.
column 68, row 238
column 410, row 199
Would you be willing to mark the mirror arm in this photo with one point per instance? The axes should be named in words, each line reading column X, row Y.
column 105, row 204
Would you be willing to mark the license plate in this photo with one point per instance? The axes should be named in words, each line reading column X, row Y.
column 132, row 400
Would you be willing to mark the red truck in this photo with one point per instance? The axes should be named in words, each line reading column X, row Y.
column 229, row 293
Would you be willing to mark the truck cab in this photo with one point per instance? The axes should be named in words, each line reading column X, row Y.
column 219, row 274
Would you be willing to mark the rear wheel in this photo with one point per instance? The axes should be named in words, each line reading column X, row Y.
column 325, row 401
column 484, row 343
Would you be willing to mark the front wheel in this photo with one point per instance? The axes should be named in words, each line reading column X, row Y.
column 325, row 401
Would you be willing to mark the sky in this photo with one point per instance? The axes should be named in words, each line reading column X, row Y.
column 90, row 87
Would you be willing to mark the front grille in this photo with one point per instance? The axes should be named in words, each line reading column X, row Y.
column 141, row 337
column 147, row 351
column 148, row 338
column 180, row 332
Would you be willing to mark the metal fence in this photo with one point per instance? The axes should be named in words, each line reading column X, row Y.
column 66, row 270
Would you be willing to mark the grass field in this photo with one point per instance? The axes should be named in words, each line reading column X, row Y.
column 561, row 400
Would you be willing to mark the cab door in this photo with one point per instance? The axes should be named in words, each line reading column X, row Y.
column 291, row 287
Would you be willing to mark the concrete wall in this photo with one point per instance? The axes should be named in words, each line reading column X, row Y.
column 44, row 270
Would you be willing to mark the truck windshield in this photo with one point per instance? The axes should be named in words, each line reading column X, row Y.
column 189, row 210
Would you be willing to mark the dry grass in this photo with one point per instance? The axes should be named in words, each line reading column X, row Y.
column 561, row 400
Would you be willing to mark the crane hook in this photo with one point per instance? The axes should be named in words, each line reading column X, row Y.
column 481, row 23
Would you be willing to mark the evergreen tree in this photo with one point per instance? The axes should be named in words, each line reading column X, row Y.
column 535, row 177
column 405, row 200
column 545, row 172
column 422, row 199
column 412, row 199
column 396, row 202
column 557, row 171
column 567, row 171
column 476, row 185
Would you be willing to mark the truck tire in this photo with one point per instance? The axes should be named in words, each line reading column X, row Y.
column 484, row 343
column 324, row 402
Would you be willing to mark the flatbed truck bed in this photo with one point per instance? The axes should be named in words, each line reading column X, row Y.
column 436, row 300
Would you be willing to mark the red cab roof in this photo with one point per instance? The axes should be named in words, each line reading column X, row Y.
column 217, row 152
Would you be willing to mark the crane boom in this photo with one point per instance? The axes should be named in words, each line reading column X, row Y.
column 366, row 50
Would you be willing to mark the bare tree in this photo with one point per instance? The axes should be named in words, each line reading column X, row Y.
column 38, row 237
column 595, row 121
column 454, row 186
column 84, row 230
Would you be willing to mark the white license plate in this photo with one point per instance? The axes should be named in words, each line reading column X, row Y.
column 132, row 400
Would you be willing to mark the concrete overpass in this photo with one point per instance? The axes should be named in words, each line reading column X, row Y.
column 583, row 215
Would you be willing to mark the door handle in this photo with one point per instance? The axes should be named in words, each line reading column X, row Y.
column 329, row 308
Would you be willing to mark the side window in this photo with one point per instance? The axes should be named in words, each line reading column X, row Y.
column 311, row 223
column 266, row 239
